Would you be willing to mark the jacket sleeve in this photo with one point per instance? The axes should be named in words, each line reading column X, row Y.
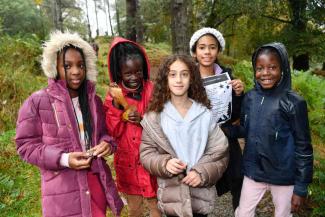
column 303, row 149
column 102, row 130
column 236, row 101
column 29, row 142
column 238, row 131
column 114, row 123
column 214, row 161
column 151, row 159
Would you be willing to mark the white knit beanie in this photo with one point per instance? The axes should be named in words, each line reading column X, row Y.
column 206, row 30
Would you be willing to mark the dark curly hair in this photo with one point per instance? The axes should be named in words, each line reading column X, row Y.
column 161, row 93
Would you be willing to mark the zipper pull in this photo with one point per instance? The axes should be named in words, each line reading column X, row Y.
column 262, row 100
column 276, row 135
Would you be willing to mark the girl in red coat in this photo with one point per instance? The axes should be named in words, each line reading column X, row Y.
column 125, row 104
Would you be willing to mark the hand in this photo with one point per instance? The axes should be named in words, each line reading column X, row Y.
column 134, row 117
column 192, row 179
column 296, row 202
column 79, row 160
column 237, row 86
column 101, row 150
column 175, row 166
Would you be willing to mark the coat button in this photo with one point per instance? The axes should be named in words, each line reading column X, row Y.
column 87, row 192
column 69, row 126
column 56, row 172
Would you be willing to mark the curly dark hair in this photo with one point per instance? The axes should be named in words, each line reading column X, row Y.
column 161, row 93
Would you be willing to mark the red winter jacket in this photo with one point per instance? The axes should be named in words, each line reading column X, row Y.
column 131, row 177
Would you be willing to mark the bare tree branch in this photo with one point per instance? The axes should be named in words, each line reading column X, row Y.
column 277, row 19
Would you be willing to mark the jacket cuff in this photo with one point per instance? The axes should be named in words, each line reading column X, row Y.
column 52, row 158
column 111, row 141
column 301, row 189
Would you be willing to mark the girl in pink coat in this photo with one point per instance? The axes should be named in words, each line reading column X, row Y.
column 61, row 130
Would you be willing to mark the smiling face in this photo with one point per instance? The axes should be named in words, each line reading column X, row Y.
column 72, row 69
column 178, row 79
column 132, row 73
column 267, row 70
column 207, row 50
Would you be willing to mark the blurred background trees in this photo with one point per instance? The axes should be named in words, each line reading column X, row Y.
column 299, row 24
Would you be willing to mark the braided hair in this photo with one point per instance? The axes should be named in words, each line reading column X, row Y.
column 83, row 98
column 123, row 52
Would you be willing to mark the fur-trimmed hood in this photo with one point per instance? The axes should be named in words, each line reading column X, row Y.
column 57, row 42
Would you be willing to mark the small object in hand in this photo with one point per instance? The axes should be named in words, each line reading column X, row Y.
column 117, row 94
column 90, row 153
column 125, row 115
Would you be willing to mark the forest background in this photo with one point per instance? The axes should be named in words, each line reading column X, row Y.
column 163, row 27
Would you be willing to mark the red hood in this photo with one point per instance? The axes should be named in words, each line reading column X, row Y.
column 118, row 40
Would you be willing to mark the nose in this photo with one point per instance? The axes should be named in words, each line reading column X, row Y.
column 75, row 70
column 206, row 50
column 178, row 78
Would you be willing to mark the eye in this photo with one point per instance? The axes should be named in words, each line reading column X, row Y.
column 201, row 47
column 213, row 47
column 272, row 68
column 67, row 66
column 82, row 66
column 185, row 74
column 259, row 69
column 172, row 74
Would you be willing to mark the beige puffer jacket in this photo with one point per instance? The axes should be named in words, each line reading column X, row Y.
column 174, row 197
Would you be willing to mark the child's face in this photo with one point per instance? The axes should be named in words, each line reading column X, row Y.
column 75, row 69
column 132, row 73
column 207, row 50
column 178, row 79
column 267, row 70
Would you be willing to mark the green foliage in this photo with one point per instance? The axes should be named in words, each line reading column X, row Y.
column 17, row 198
column 312, row 88
column 18, row 66
column 244, row 71
column 22, row 17
column 316, row 191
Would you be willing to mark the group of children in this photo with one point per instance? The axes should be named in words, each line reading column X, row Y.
column 169, row 153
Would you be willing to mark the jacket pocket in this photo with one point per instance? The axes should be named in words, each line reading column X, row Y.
column 48, row 175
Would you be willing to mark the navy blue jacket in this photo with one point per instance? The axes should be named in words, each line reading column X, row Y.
column 274, row 123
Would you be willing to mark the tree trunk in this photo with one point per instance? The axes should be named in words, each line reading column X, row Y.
column 299, row 21
column 55, row 15
column 59, row 7
column 118, row 20
column 179, row 26
column 88, row 23
column 109, row 17
column 97, row 30
column 139, row 24
column 323, row 68
column 131, row 13
column 301, row 62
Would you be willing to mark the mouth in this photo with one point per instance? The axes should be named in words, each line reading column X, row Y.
column 267, row 81
column 75, row 81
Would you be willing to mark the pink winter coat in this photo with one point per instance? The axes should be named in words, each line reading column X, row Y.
column 46, row 128
column 131, row 177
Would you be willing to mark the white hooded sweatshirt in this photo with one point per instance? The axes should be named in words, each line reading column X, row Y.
column 189, row 135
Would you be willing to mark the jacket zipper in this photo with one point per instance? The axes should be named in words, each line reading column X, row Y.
column 262, row 100
column 56, row 115
column 276, row 135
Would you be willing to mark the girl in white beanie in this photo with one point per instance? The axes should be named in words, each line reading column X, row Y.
column 205, row 46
